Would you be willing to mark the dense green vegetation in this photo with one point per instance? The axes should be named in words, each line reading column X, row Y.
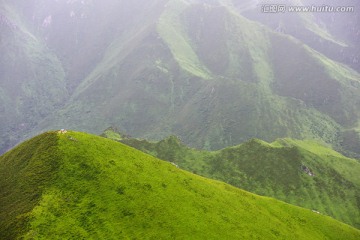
column 79, row 186
column 302, row 173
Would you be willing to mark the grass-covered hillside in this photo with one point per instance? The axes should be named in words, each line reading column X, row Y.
column 78, row 186
column 303, row 173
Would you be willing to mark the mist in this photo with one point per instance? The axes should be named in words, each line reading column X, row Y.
column 164, row 67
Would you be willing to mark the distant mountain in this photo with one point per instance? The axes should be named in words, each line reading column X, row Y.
column 210, row 72
column 32, row 79
column 334, row 34
column 303, row 173
column 74, row 185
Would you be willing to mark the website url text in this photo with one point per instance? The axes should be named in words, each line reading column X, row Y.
column 282, row 8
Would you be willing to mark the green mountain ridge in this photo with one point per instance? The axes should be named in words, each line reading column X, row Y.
column 303, row 173
column 156, row 68
column 75, row 185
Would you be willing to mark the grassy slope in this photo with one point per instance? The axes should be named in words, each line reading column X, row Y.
column 94, row 188
column 170, row 30
column 25, row 172
column 274, row 170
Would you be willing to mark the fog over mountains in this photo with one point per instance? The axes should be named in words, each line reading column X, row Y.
column 196, row 102
column 215, row 73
